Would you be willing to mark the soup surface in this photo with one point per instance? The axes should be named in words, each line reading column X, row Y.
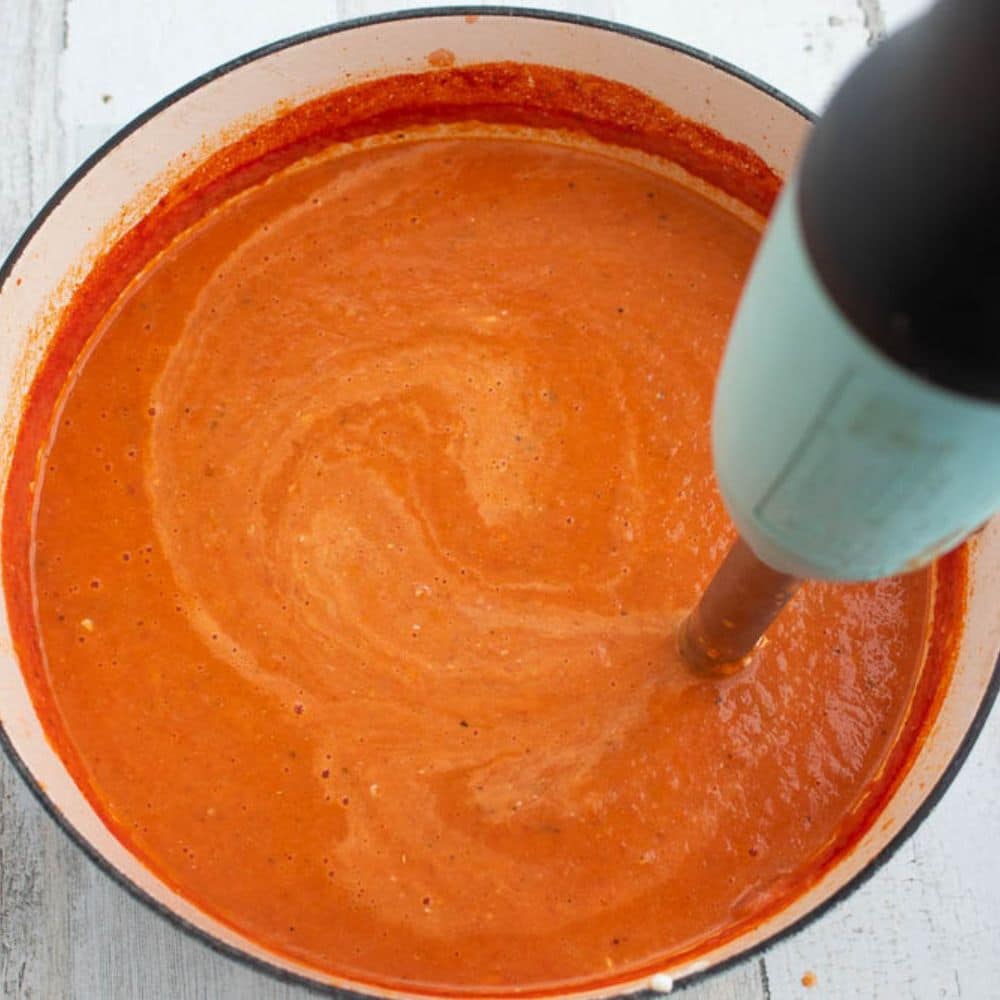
column 362, row 532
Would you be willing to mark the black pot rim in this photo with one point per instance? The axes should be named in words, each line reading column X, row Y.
column 932, row 798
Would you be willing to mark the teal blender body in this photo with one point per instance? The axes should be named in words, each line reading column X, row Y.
column 856, row 424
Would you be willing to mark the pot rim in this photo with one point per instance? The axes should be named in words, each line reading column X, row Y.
column 928, row 803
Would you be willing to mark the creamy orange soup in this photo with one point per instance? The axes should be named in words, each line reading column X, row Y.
column 365, row 515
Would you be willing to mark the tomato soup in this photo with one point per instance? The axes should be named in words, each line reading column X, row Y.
column 373, row 481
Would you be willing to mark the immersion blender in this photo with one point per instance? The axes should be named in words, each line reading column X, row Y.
column 856, row 422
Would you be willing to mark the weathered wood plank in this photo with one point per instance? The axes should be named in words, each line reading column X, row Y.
column 38, row 867
column 31, row 43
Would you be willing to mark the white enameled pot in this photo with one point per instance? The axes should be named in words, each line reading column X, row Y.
column 114, row 187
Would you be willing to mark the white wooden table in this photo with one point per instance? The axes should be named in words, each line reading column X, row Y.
column 73, row 71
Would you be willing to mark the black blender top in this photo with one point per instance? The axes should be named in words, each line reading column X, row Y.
column 899, row 197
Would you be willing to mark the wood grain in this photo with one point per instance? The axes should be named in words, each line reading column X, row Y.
column 74, row 71
column 38, row 868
